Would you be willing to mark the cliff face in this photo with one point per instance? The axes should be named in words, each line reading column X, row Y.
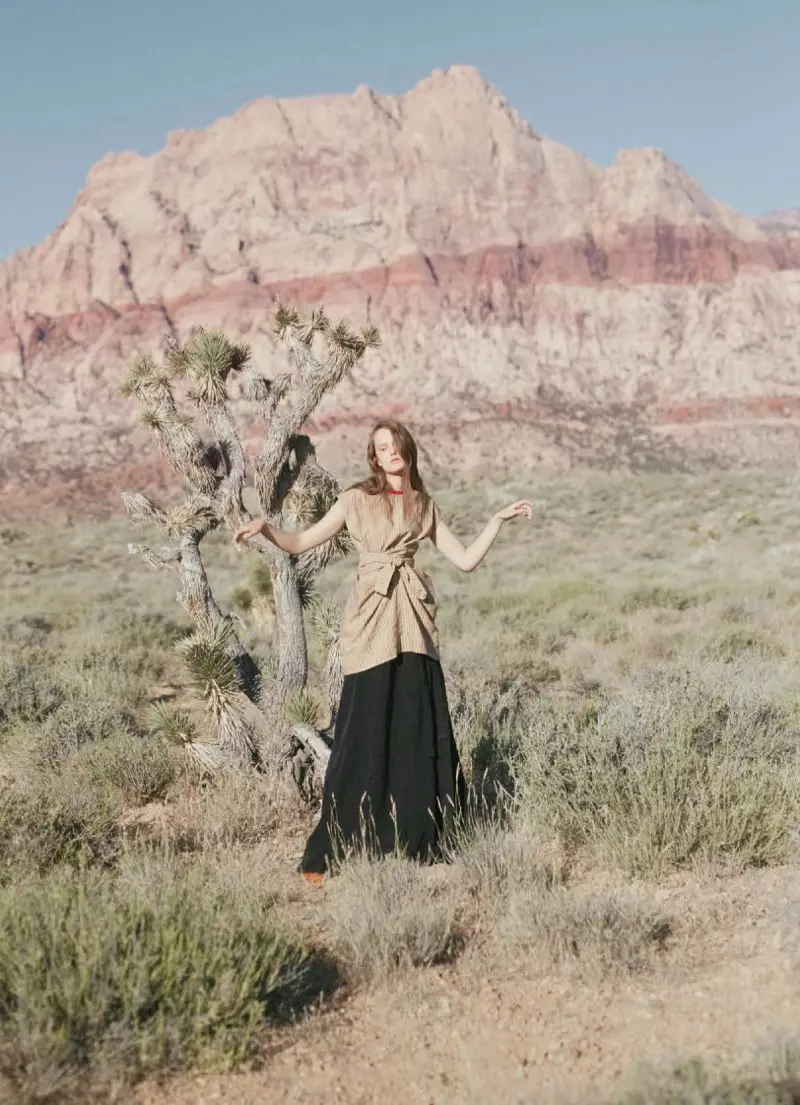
column 598, row 311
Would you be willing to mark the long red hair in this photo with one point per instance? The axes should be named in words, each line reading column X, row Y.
column 414, row 493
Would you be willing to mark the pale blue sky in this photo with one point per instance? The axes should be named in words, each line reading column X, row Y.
column 712, row 82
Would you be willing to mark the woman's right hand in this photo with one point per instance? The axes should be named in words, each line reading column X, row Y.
column 252, row 529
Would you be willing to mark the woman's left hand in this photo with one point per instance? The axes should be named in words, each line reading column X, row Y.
column 521, row 509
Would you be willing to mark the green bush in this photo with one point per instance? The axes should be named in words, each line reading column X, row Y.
column 242, row 598
column 141, row 635
column 75, row 723
column 151, row 968
column 644, row 597
column 685, row 765
column 81, row 695
column 138, row 768
column 30, row 686
column 62, row 822
column 233, row 810
column 487, row 717
column 734, row 641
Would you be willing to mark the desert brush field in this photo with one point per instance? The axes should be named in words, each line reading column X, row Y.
column 619, row 919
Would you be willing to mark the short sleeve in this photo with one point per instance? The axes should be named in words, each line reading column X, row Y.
column 436, row 519
column 347, row 500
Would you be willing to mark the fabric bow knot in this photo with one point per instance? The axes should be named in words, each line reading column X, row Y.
column 383, row 567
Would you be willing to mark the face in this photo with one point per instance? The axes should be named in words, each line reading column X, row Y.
column 387, row 453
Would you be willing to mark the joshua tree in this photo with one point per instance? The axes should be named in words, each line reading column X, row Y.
column 246, row 707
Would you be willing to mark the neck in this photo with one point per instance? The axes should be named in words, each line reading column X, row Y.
column 395, row 482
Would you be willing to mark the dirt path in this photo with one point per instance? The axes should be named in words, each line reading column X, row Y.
column 487, row 1031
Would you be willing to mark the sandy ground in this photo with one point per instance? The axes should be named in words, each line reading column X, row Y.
column 488, row 1030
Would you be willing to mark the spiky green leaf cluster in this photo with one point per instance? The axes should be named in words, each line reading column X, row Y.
column 371, row 337
column 145, row 381
column 286, row 319
column 172, row 723
column 194, row 516
column 305, row 591
column 212, row 668
column 325, row 619
column 177, row 360
column 208, row 359
column 312, row 494
column 303, row 708
column 154, row 419
column 345, row 347
column 316, row 323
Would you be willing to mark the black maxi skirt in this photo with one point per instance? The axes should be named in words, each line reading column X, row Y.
column 394, row 778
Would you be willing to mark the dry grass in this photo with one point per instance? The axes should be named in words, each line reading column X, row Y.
column 770, row 1076
column 623, row 690
column 520, row 892
column 692, row 764
column 231, row 810
column 601, row 932
column 386, row 914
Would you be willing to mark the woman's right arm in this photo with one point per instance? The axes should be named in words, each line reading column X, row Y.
column 295, row 542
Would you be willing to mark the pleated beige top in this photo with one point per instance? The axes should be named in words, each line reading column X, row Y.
column 391, row 608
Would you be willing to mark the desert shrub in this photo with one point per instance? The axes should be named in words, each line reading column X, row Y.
column 26, row 631
column 77, row 722
column 232, row 810
column 645, row 597
column 78, row 696
column 62, row 822
column 541, row 670
column 153, row 967
column 30, row 685
column 140, row 635
column 66, row 822
column 685, row 765
column 761, row 1079
column 603, row 932
column 497, row 853
column 487, row 715
column 734, row 641
column 516, row 881
column 138, row 768
column 383, row 915
column 107, row 668
column 242, row 598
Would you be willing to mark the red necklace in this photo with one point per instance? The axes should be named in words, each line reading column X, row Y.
column 392, row 491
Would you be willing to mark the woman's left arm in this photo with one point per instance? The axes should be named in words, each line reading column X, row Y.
column 468, row 558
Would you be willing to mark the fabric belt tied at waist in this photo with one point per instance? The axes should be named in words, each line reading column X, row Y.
column 381, row 569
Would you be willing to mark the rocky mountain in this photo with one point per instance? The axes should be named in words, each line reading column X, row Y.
column 535, row 307
column 782, row 223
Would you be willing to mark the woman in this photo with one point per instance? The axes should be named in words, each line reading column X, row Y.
column 393, row 774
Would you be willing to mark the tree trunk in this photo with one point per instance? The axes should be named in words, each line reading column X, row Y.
column 293, row 655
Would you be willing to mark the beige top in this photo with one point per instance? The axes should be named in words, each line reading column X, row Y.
column 391, row 608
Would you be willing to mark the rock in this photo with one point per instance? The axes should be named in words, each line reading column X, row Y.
column 535, row 308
